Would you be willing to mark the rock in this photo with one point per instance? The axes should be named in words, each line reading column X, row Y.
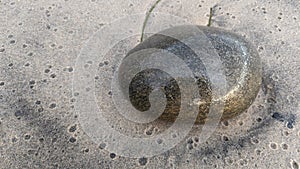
column 240, row 61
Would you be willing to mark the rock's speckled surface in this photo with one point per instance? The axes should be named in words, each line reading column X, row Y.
column 241, row 64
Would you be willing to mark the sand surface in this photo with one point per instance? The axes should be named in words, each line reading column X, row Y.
column 40, row 42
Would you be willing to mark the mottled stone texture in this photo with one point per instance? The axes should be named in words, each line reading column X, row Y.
column 241, row 64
